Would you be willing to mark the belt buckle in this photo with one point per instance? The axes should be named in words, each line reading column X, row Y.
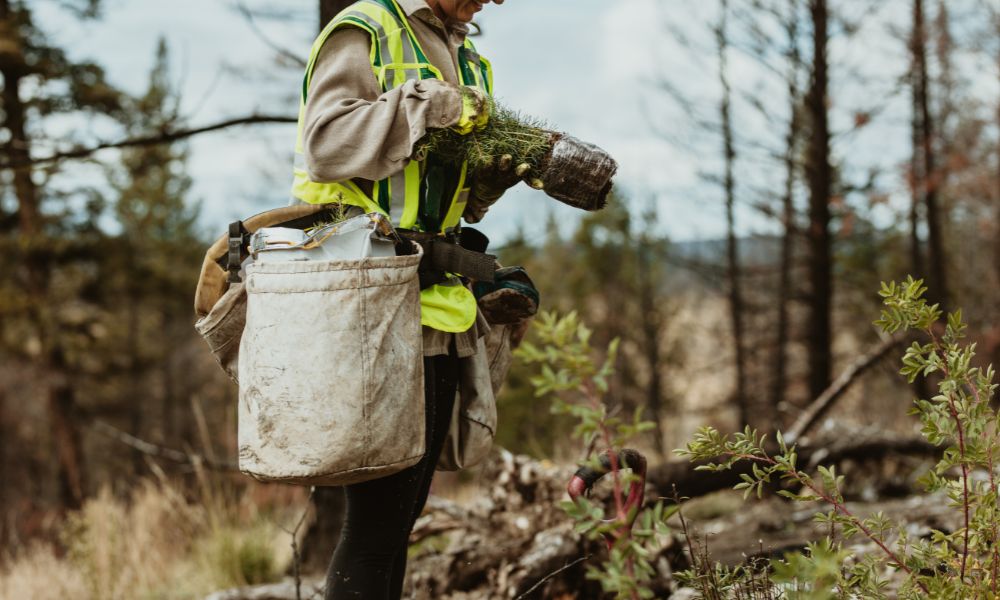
column 451, row 234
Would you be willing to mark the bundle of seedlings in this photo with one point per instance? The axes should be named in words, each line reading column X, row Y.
column 570, row 170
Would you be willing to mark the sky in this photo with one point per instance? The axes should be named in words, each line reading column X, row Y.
column 588, row 67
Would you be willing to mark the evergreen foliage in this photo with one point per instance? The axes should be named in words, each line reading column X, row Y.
column 508, row 133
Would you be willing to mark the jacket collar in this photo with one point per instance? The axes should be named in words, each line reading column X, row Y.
column 412, row 6
column 419, row 9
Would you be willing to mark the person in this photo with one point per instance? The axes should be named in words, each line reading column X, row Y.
column 380, row 76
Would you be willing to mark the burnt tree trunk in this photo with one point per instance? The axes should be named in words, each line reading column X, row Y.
column 785, row 293
column 937, row 286
column 917, row 183
column 996, row 188
column 920, row 177
column 17, row 149
column 820, row 176
column 651, row 334
column 732, row 252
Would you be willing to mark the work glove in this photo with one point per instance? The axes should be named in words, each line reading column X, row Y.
column 475, row 111
column 489, row 183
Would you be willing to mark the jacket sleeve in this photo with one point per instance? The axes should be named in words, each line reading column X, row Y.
column 352, row 130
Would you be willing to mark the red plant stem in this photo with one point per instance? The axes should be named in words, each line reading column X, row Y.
column 624, row 530
column 615, row 468
column 595, row 400
column 961, row 449
column 837, row 505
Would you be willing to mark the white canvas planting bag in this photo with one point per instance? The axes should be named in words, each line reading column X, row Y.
column 331, row 370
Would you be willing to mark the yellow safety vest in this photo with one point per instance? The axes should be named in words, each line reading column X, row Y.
column 396, row 57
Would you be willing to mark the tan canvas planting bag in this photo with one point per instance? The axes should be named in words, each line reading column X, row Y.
column 220, row 305
column 331, row 370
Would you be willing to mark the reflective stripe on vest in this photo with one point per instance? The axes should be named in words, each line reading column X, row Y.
column 396, row 57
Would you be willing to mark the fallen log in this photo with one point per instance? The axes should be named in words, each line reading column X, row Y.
column 821, row 405
column 773, row 527
column 515, row 543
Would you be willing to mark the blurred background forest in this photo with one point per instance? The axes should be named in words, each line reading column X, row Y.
column 827, row 145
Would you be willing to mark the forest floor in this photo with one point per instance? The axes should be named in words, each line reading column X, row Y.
column 512, row 541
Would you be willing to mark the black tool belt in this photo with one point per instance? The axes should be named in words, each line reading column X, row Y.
column 449, row 253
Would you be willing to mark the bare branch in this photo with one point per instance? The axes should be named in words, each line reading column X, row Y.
column 296, row 554
column 282, row 51
column 551, row 575
column 165, row 136
column 156, row 450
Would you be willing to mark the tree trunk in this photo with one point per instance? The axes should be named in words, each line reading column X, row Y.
column 917, row 180
column 321, row 537
column 732, row 253
column 820, row 175
column 996, row 188
column 919, row 176
column 6, row 433
column 135, row 398
column 328, row 9
column 17, row 148
column 937, row 287
column 67, row 442
column 651, row 334
column 780, row 376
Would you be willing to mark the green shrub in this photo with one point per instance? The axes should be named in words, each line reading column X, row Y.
column 577, row 383
column 239, row 556
column 964, row 563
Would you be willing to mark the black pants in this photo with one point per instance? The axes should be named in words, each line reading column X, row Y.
column 370, row 560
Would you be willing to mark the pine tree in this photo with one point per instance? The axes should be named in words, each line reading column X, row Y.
column 158, row 252
column 48, row 235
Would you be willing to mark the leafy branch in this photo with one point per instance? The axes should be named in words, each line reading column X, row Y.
column 959, row 419
column 578, row 383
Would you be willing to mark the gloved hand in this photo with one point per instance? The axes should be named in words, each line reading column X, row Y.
column 491, row 182
column 475, row 111
column 502, row 174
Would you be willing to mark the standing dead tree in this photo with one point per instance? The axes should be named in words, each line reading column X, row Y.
column 729, row 188
column 927, row 176
column 819, row 175
column 788, row 213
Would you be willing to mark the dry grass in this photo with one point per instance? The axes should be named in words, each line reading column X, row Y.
column 157, row 545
